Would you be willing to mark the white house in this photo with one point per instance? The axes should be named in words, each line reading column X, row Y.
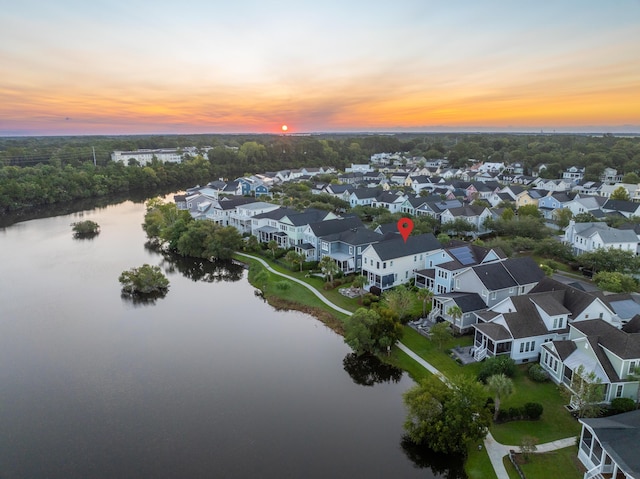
column 588, row 237
column 393, row 261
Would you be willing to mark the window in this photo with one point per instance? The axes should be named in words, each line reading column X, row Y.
column 555, row 323
column 350, row 249
column 522, row 347
column 415, row 258
column 378, row 264
column 384, row 265
column 359, row 249
column 391, row 263
column 619, row 389
column 365, row 260
column 493, row 295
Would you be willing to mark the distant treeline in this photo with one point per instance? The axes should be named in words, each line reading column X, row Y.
column 38, row 171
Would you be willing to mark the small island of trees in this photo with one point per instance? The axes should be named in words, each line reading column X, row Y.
column 86, row 228
column 146, row 280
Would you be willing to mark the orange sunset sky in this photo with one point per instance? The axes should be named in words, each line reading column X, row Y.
column 120, row 67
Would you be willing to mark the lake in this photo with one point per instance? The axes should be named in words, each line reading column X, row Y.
column 209, row 381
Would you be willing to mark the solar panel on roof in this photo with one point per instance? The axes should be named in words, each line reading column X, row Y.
column 463, row 254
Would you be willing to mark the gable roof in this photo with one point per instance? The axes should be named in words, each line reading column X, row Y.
column 467, row 211
column 276, row 214
column 355, row 236
column 509, row 273
column 574, row 299
column 323, row 228
column 619, row 436
column 394, row 246
column 467, row 302
column 621, row 205
column 311, row 215
column 621, row 343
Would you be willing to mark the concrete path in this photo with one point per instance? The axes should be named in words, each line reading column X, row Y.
column 495, row 450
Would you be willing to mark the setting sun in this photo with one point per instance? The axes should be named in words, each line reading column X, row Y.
column 285, row 127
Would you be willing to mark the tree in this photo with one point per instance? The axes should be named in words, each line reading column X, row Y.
column 631, row 178
column 500, row 386
column 584, row 217
column 615, row 282
column 507, row 215
column 620, row 193
column 528, row 445
column 455, row 312
column 440, row 333
column 610, row 259
column 587, row 392
column 273, row 247
column 425, row 295
column 368, row 331
column 328, row 267
column 360, row 281
column 459, row 226
column 294, row 258
column 399, row 300
column 529, row 210
column 85, row 228
column 146, row 279
column 225, row 242
column 562, row 217
column 446, row 418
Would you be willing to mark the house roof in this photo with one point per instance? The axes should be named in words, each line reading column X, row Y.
column 525, row 322
column 355, row 236
column 467, row 211
column 322, row 228
column 231, row 203
column 564, row 348
column 621, row 205
column 509, row 273
column 621, row 343
column 467, row 302
column 619, row 435
column 550, row 302
column 311, row 215
column 575, row 300
column 497, row 332
column 395, row 247
column 277, row 214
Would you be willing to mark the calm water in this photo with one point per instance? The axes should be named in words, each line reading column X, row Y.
column 207, row 382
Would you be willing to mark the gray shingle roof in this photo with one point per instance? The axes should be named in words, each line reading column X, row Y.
column 619, row 436
column 496, row 332
column 322, row 228
column 509, row 273
column 621, row 343
column 395, row 247
column 575, row 300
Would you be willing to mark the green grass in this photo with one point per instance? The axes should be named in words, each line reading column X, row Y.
column 565, row 460
column 556, row 422
column 478, row 465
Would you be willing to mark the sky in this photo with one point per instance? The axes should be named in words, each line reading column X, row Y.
column 72, row 67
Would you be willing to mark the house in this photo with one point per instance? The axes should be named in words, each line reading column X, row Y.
column 554, row 185
column 221, row 209
column 573, row 174
column 363, row 196
column 589, row 237
column 389, row 200
column 473, row 214
column 610, row 176
column 434, row 206
column 499, row 280
column 310, row 246
column 599, row 348
column 346, row 247
column 608, row 446
column 241, row 217
column 520, row 325
column 265, row 226
column 393, row 261
column 554, row 201
column 469, row 304
column 625, row 208
column 293, row 225
column 441, row 266
column 585, row 203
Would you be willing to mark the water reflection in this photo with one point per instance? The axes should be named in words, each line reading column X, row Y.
column 367, row 370
column 444, row 466
column 85, row 236
column 138, row 300
column 197, row 269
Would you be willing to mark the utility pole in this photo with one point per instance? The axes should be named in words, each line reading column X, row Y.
column 94, row 155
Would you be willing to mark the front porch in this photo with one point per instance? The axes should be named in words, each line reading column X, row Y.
column 491, row 340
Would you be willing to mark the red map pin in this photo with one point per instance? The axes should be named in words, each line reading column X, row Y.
column 405, row 227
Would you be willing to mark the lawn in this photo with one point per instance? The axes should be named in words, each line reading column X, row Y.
column 540, row 465
column 556, row 422
column 478, row 465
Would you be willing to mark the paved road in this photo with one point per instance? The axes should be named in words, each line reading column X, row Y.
column 495, row 450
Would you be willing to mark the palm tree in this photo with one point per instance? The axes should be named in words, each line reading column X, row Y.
column 424, row 294
column 456, row 313
column 295, row 258
column 328, row 267
column 501, row 386
column 359, row 282
column 273, row 246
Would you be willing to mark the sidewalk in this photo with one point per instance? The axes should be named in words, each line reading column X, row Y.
column 495, row 450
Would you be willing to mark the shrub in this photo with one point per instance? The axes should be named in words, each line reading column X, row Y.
column 537, row 373
column 620, row 405
column 283, row 285
column 497, row 365
column 533, row 410
column 85, row 228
